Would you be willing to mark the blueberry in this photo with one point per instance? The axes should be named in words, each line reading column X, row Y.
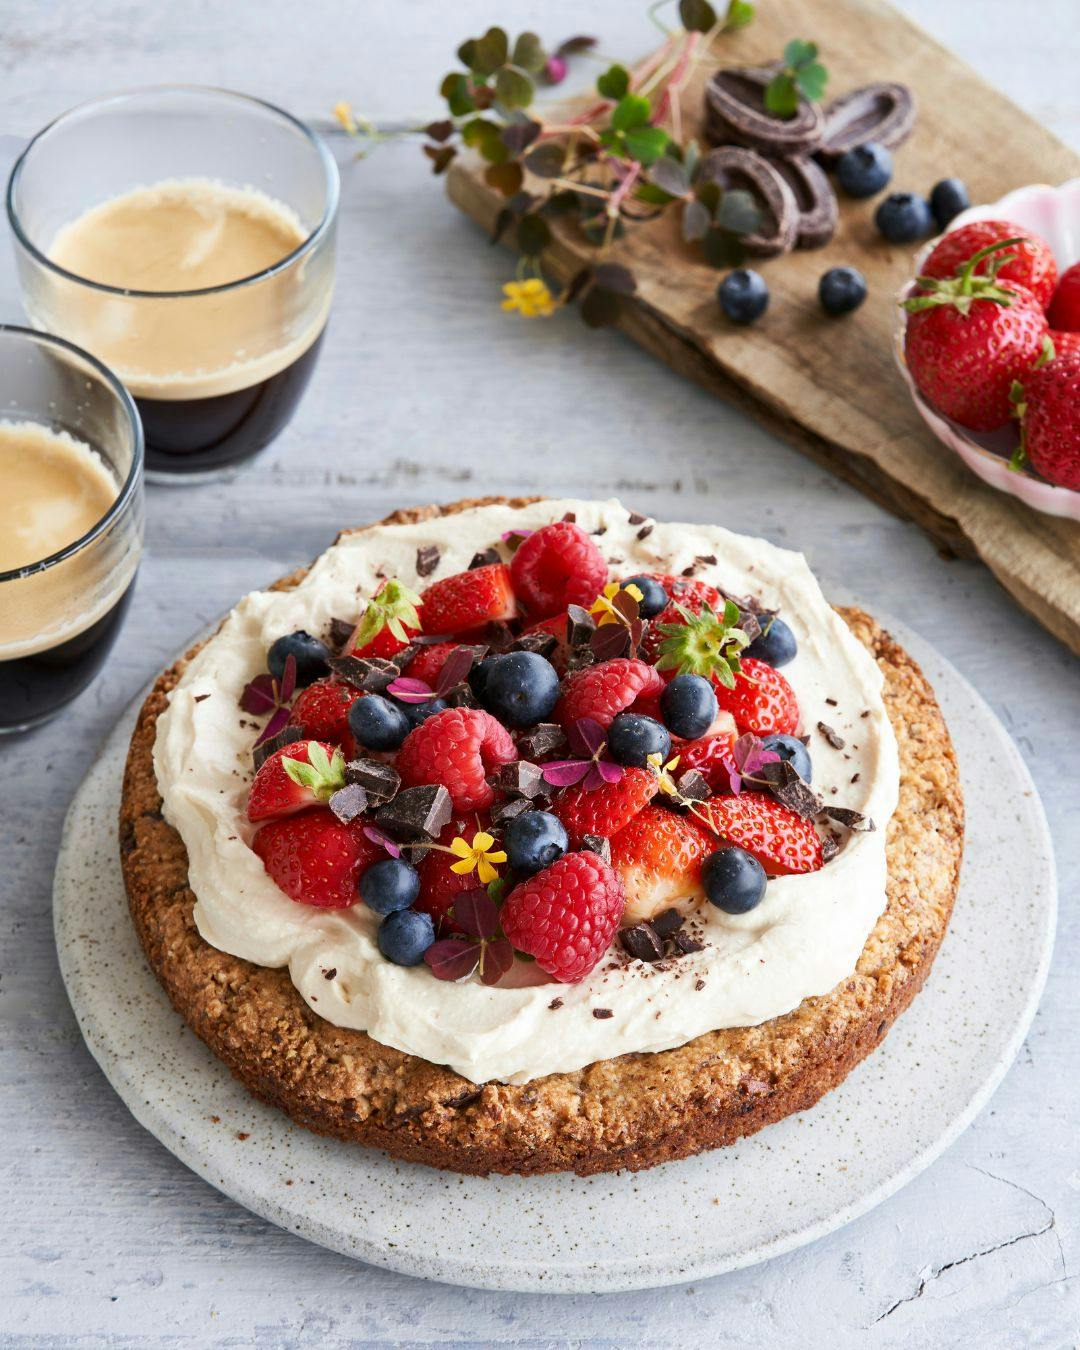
column 519, row 688
column 865, row 170
column 733, row 880
column 841, row 289
column 743, row 295
column 405, row 936
column 947, row 199
column 904, row 217
column 688, row 706
column 776, row 646
column 632, row 738
column 420, row 712
column 310, row 654
column 377, row 723
column 793, row 750
column 534, row 841
column 389, row 884
column 654, row 599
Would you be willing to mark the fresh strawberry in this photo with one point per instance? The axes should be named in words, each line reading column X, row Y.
column 779, row 839
column 468, row 600
column 322, row 709
column 458, row 748
column 439, row 885
column 566, row 915
column 557, row 625
column 303, row 774
column 707, row 755
column 696, row 634
column 428, row 661
column 603, row 691
column 557, row 565
column 762, row 701
column 388, row 623
column 968, row 338
column 659, row 855
column 688, row 591
column 604, row 810
column 1049, row 410
column 1064, row 311
column 315, row 859
column 1030, row 264
column 1065, row 344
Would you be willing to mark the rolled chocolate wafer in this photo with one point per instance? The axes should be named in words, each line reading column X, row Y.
column 735, row 112
column 874, row 112
column 815, row 198
column 733, row 167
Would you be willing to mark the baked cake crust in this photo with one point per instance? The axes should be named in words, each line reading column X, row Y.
column 630, row 1112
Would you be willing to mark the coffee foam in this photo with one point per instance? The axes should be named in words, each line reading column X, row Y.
column 184, row 235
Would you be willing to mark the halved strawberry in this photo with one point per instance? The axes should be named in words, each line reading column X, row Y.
column 557, row 626
column 604, row 810
column 762, row 701
column 659, row 856
column 440, row 886
column 428, row 661
column 322, row 709
column 303, row 774
column 315, row 859
column 468, row 600
column 388, row 623
column 780, row 840
column 707, row 755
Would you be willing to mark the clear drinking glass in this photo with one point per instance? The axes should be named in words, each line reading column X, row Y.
column 60, row 614
column 216, row 372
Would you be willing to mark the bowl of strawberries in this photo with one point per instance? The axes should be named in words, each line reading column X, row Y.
column 988, row 341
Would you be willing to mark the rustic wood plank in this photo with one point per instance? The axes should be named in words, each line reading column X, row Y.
column 830, row 387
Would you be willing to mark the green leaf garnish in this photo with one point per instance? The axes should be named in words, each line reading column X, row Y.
column 801, row 76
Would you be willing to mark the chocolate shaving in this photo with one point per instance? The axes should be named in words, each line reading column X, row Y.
column 520, row 779
column 510, row 810
column 685, row 945
column 371, row 673
column 542, row 739
column 427, row 559
column 835, row 740
column 284, row 737
column 635, row 518
column 642, row 942
column 851, row 820
column 601, row 1014
column 571, row 517
column 598, row 844
column 832, row 703
column 200, row 698
column 348, row 802
column 460, row 697
column 380, row 781
column 645, row 531
column 543, row 644
column 341, row 630
column 485, row 558
column 580, row 626
column 829, row 848
column 555, row 1005
column 749, row 623
column 694, row 785
column 416, row 812
column 668, row 922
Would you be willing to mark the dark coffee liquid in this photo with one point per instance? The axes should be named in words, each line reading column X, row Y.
column 200, row 434
column 34, row 687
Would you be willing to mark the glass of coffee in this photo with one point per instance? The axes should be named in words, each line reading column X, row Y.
column 71, row 521
column 185, row 237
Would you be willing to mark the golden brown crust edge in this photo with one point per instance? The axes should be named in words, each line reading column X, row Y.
column 631, row 1112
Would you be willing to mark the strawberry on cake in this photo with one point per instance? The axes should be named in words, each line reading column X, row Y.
column 537, row 835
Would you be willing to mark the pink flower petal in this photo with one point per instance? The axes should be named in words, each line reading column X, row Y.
column 379, row 837
column 288, row 679
column 609, row 771
column 507, row 535
column 588, row 735
column 565, row 772
column 408, row 690
column 258, row 697
column 279, row 720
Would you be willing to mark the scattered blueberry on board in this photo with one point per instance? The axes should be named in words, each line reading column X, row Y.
column 310, row 655
column 776, row 645
column 743, row 295
column 405, row 935
column 534, row 841
column 864, row 171
column 688, row 706
column 633, row 737
column 654, row 599
column 734, row 881
column 389, row 885
column 790, row 748
column 904, row 217
column 841, row 289
column 377, row 723
column 947, row 199
column 520, row 688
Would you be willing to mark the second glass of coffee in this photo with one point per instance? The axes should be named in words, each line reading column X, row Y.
column 185, row 237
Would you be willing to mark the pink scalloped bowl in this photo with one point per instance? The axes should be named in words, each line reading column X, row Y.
column 1053, row 213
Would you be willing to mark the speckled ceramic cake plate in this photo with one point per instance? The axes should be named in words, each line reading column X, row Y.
column 775, row 1191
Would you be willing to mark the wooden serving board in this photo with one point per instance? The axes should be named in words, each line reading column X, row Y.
column 827, row 385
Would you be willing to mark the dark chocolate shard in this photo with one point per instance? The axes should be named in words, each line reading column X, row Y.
column 372, row 674
column 485, row 558
column 735, row 112
column 520, row 779
column 874, row 112
column 851, row 820
column 829, row 848
column 789, row 788
column 749, row 623
column 261, row 753
column 580, row 659
column 642, row 942
column 602, row 1014
column 510, row 810
column 732, row 166
column 598, row 844
column 341, row 630
column 694, row 786
column 542, row 739
column 348, row 802
column 427, row 559
column 416, row 812
column 543, row 644
column 636, row 518
column 380, row 781
column 815, row 198
column 461, row 696
column 834, row 738
column 668, row 922
column 499, row 636
column 685, row 945
column 645, row 531
column 580, row 626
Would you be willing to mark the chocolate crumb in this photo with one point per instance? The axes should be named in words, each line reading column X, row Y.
column 242, row 1135
column 340, row 631
column 598, row 844
column 519, row 779
column 688, row 571
column 485, row 558
column 668, row 922
column 836, row 741
column 199, row 698
column 645, row 531
column 261, row 753
column 699, row 984
column 829, row 848
column 600, row 529
column 542, row 739
column 832, row 703
column 709, row 559
column 601, row 1013
column 555, row 1005
column 642, row 942
column 851, row 820
column 570, row 516
column 685, row 944
column 865, row 712
column 855, row 777
column 330, row 974
column 510, row 810
column 427, row 559
column 635, row 518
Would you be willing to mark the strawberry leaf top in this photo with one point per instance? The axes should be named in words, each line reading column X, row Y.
column 704, row 644
column 322, row 774
column 394, row 607
column 963, row 288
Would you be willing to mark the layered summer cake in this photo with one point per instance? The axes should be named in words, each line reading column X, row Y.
column 538, row 835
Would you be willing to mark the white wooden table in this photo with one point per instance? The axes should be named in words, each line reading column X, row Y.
column 427, row 391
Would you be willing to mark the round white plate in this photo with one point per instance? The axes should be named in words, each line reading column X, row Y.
column 786, row 1186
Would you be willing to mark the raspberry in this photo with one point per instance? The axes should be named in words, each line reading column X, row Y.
column 566, row 915
column 458, row 748
column 659, row 857
column 605, row 810
column 603, row 691
column 315, row 859
column 556, row 566
column 779, row 839
column 322, row 709
column 762, row 701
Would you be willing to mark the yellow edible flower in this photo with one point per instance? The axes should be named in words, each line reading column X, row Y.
column 530, row 298
column 344, row 114
column 665, row 781
column 480, row 854
column 604, row 604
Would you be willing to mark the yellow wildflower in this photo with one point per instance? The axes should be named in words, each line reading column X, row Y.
column 604, row 604
column 530, row 298
column 344, row 114
column 480, row 854
column 665, row 781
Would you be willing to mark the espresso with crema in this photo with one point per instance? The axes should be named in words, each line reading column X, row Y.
column 207, row 321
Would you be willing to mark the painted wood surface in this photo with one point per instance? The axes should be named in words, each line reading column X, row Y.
column 426, row 391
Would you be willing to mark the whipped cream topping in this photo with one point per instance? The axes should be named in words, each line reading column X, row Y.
column 802, row 940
